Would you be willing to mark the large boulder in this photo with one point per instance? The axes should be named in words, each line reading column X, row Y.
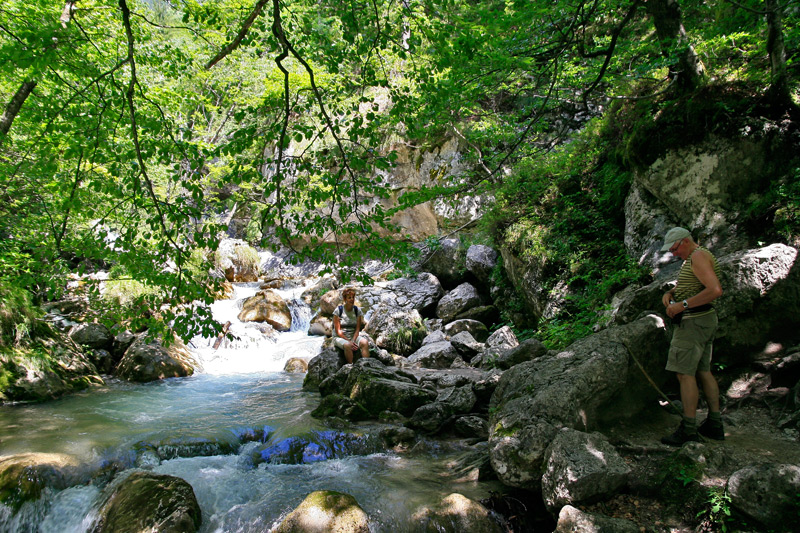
column 481, row 260
column 267, row 306
column 144, row 501
column 150, row 360
column 569, row 389
column 529, row 350
column 397, row 330
column 434, row 355
column 323, row 366
column 326, row 510
column 478, row 330
column 767, row 493
column 450, row 402
column 66, row 369
column 457, row 301
column 378, row 388
column 446, row 260
column 456, row 513
column 23, row 477
column 581, row 468
column 93, row 335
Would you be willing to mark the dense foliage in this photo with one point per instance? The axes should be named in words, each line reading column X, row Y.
column 132, row 130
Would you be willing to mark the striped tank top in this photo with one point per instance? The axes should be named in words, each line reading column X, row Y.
column 688, row 284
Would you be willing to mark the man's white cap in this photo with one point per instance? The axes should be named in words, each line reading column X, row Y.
column 673, row 235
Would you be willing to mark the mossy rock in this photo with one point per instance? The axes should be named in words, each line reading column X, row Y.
column 326, row 510
column 145, row 501
column 23, row 477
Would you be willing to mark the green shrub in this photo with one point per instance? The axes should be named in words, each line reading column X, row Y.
column 17, row 315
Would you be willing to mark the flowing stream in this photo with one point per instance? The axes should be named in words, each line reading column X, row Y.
column 240, row 432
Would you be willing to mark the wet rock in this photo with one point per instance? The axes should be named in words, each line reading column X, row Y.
column 454, row 514
column 453, row 401
column 295, row 365
column 326, row 510
column 150, row 360
column 144, row 501
column 267, row 306
column 581, row 468
column 460, row 299
column 572, row 520
column 767, row 493
column 23, row 477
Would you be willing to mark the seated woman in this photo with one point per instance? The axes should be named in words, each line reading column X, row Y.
column 347, row 323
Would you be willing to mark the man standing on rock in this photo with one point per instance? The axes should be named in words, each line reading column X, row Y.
column 690, row 306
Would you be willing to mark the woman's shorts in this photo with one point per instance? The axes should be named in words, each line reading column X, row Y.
column 340, row 342
column 692, row 343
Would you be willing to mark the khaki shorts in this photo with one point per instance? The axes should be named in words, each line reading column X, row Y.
column 691, row 346
column 340, row 342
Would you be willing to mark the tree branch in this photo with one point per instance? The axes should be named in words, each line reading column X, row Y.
column 233, row 45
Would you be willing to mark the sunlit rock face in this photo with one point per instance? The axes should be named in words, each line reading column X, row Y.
column 267, row 306
column 150, row 361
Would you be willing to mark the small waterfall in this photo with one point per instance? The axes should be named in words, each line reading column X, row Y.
column 252, row 346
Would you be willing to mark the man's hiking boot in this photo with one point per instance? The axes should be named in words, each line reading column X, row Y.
column 681, row 436
column 711, row 429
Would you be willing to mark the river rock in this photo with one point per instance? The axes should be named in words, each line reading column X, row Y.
column 267, row 306
column 378, row 387
column 478, row 330
column 567, row 389
column 93, row 335
column 421, row 292
column 481, row 260
column 581, row 468
column 340, row 406
column 150, row 361
column 326, row 510
column 456, row 513
column 295, row 365
column 144, row 501
column 572, row 520
column 320, row 326
column 471, row 426
column 23, row 477
column 399, row 331
column 463, row 297
column 323, row 366
column 767, row 493
column 434, row 355
column 329, row 301
column 122, row 341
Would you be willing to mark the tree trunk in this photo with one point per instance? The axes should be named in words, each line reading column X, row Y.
column 689, row 72
column 13, row 107
column 779, row 90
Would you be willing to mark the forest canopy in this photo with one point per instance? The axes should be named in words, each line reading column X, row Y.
column 131, row 130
